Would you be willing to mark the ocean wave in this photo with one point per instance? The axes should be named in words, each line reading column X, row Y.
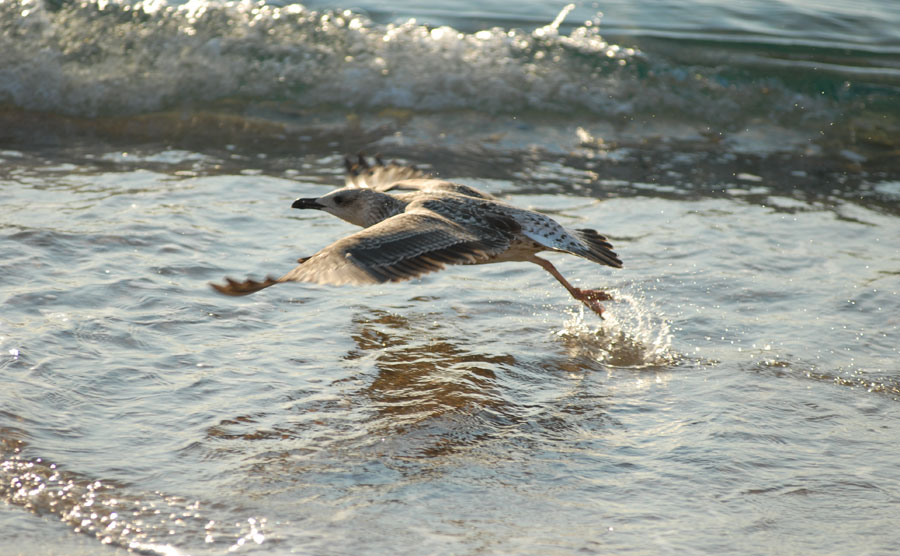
column 97, row 58
column 109, row 58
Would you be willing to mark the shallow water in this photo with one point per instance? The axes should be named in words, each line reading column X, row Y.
column 740, row 397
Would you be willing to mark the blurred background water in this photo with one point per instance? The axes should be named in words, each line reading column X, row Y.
column 740, row 397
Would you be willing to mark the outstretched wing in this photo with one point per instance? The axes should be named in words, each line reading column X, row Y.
column 378, row 176
column 432, row 185
column 398, row 248
column 396, row 178
column 248, row 286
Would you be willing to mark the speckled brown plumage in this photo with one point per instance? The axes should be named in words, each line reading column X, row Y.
column 413, row 225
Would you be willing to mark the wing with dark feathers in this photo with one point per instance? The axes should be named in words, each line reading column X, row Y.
column 394, row 177
column 248, row 286
column 431, row 185
column 399, row 248
column 378, row 176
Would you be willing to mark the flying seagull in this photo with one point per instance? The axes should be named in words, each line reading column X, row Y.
column 414, row 224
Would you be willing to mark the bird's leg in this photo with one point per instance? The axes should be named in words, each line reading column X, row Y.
column 591, row 298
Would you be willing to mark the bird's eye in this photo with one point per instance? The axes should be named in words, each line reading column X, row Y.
column 339, row 199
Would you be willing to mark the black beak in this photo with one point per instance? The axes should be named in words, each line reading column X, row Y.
column 307, row 204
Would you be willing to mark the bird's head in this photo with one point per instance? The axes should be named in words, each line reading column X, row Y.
column 362, row 207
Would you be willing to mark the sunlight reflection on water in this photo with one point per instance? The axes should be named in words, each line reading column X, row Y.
column 633, row 334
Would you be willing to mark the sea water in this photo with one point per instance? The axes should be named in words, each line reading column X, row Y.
column 740, row 397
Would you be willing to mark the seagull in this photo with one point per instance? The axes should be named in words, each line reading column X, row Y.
column 414, row 224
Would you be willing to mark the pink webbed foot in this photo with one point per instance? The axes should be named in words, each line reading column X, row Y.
column 592, row 299
column 594, row 295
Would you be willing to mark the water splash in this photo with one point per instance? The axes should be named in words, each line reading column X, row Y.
column 633, row 334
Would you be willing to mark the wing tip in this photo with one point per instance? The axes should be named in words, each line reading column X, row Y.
column 378, row 174
column 236, row 289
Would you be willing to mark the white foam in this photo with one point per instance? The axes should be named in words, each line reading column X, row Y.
column 633, row 334
column 114, row 57
column 110, row 57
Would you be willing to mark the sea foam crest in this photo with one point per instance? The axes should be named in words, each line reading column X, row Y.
column 102, row 57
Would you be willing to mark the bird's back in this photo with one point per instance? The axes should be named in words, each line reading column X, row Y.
column 532, row 231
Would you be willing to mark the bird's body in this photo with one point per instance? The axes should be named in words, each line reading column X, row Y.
column 413, row 225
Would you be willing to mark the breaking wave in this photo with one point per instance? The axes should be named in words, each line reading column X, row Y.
column 102, row 58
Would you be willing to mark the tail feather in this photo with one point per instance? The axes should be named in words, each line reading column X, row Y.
column 598, row 248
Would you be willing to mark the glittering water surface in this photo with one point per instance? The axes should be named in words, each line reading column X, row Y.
column 740, row 397
column 744, row 379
